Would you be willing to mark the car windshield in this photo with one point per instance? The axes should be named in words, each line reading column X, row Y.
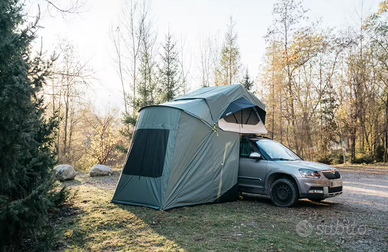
column 276, row 151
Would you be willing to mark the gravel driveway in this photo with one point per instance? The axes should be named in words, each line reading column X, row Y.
column 365, row 188
column 364, row 203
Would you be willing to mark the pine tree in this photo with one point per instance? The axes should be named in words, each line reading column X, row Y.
column 26, row 159
column 140, row 40
column 247, row 82
column 229, row 69
column 169, row 72
column 147, row 76
column 147, row 82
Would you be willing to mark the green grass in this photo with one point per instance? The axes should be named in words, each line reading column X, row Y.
column 93, row 223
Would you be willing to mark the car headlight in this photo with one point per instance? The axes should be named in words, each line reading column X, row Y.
column 306, row 173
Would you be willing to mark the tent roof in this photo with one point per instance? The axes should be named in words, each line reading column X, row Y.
column 214, row 100
column 218, row 98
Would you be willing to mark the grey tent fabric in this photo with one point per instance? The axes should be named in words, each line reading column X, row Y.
column 219, row 98
column 195, row 107
column 179, row 156
column 143, row 190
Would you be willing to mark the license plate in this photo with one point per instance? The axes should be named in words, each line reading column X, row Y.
column 336, row 183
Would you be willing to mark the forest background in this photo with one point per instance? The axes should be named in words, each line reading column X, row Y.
column 325, row 88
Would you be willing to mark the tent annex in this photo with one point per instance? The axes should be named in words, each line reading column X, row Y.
column 186, row 151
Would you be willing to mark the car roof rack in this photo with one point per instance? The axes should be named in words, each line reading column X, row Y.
column 250, row 136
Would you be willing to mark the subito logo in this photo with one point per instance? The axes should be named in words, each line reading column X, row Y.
column 304, row 228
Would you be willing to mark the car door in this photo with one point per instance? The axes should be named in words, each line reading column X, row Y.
column 251, row 176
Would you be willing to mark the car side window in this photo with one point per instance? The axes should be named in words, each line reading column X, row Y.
column 245, row 149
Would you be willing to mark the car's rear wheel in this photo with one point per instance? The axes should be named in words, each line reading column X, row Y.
column 284, row 193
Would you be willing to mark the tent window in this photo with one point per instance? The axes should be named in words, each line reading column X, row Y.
column 148, row 152
column 244, row 116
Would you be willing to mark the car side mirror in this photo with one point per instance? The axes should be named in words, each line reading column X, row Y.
column 255, row 155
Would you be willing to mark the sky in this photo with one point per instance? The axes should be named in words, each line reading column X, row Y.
column 89, row 31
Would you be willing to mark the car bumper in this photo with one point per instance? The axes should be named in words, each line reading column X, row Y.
column 320, row 188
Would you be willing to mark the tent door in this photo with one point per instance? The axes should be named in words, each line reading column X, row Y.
column 147, row 154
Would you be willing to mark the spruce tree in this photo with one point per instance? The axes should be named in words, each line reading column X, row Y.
column 147, row 80
column 146, row 85
column 247, row 82
column 26, row 160
column 228, row 72
column 169, row 81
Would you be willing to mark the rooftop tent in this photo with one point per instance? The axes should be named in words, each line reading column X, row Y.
column 242, row 116
column 186, row 151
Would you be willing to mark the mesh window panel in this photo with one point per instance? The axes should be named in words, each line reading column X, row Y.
column 244, row 116
column 147, row 154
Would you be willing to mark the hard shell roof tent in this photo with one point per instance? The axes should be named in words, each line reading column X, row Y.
column 186, row 151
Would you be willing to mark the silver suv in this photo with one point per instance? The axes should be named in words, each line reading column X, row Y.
column 268, row 167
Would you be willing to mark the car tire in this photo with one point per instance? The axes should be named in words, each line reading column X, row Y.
column 284, row 193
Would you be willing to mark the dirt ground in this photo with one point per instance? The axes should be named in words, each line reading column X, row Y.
column 357, row 220
column 365, row 202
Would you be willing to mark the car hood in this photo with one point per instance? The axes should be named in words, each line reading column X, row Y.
column 300, row 164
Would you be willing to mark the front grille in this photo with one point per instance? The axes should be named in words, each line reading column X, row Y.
column 331, row 175
column 316, row 188
column 335, row 189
